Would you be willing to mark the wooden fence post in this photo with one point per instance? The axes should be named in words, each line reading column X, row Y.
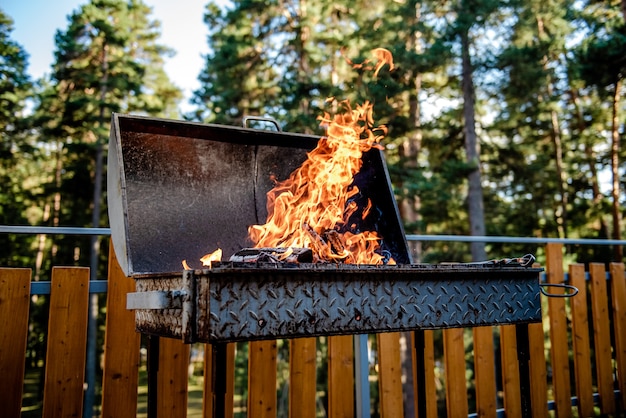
column 67, row 337
column 341, row 376
column 172, row 378
column 618, row 291
column 558, row 333
column 602, row 337
column 581, row 341
column 302, row 377
column 538, row 371
column 456, row 385
column 510, row 371
column 389, row 375
column 121, row 347
column 14, row 306
column 262, row 379
column 485, row 372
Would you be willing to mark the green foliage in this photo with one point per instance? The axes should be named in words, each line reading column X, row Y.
column 546, row 73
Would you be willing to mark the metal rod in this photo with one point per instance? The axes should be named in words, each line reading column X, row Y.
column 420, row 372
column 514, row 240
column 61, row 230
column 70, row 230
column 218, row 379
column 43, row 287
column 362, row 384
column 153, row 375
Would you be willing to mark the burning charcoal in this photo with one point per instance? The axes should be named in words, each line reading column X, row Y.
column 273, row 255
column 333, row 239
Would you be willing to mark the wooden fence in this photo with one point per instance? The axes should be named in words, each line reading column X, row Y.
column 577, row 357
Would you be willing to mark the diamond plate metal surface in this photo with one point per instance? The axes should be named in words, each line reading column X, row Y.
column 247, row 304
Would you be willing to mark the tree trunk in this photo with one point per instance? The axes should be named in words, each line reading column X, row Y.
column 618, row 250
column 410, row 204
column 561, row 212
column 472, row 150
column 90, row 367
column 591, row 161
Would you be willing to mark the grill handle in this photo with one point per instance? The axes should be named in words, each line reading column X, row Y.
column 265, row 119
column 573, row 290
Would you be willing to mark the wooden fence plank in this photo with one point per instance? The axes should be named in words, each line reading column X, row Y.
column 207, row 394
column 121, row 347
column 14, row 306
column 67, row 337
column 559, row 353
column 454, row 357
column 262, row 379
column 302, row 377
column 431, row 383
column 389, row 375
column 172, row 378
column 581, row 341
column 618, row 293
column 538, row 371
column 341, row 376
column 602, row 337
column 510, row 371
column 485, row 372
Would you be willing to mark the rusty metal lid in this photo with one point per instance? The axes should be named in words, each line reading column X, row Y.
column 179, row 190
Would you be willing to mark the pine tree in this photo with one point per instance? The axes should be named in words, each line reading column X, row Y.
column 15, row 147
column 602, row 58
column 107, row 60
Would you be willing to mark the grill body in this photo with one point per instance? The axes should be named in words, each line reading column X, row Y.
column 178, row 190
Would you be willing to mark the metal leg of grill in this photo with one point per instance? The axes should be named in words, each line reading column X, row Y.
column 218, row 380
column 420, row 372
column 523, row 358
column 153, row 372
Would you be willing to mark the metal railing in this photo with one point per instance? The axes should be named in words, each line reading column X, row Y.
column 72, row 230
column 100, row 286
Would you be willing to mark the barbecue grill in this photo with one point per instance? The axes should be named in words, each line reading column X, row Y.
column 179, row 190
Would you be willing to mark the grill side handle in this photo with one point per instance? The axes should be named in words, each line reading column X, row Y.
column 182, row 300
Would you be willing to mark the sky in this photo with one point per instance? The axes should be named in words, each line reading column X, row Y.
column 35, row 23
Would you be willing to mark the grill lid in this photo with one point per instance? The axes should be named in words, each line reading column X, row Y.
column 178, row 190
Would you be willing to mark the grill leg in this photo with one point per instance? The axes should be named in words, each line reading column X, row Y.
column 420, row 372
column 523, row 358
column 218, row 379
column 153, row 372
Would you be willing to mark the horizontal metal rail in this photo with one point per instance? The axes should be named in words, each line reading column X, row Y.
column 99, row 286
column 515, row 240
column 72, row 230
column 43, row 287
column 53, row 230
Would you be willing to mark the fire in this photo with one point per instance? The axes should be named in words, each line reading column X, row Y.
column 312, row 208
column 207, row 259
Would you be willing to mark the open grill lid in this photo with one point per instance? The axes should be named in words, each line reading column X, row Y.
column 179, row 190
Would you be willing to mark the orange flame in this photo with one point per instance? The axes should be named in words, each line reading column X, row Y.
column 209, row 258
column 383, row 57
column 309, row 208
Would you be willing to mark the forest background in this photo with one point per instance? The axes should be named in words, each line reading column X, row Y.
column 504, row 118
